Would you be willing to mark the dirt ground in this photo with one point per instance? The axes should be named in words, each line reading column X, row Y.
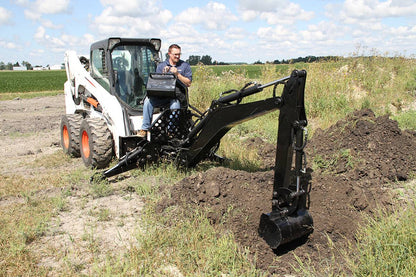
column 362, row 159
column 88, row 228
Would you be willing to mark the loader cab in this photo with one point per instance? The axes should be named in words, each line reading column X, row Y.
column 122, row 66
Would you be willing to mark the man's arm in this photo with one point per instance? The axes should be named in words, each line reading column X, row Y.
column 186, row 81
column 185, row 76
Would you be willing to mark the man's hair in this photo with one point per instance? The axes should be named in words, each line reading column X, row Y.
column 174, row 46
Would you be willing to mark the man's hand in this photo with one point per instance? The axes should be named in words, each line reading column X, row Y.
column 174, row 70
column 166, row 69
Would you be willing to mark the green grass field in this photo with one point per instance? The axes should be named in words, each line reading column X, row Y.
column 32, row 81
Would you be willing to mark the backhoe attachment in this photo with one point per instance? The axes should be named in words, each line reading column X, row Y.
column 176, row 136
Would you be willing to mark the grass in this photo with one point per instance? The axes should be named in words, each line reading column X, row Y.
column 28, row 95
column 236, row 159
column 407, row 120
column 182, row 241
column 387, row 245
column 31, row 81
column 21, row 224
column 187, row 244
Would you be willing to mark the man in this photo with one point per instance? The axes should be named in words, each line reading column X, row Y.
column 182, row 71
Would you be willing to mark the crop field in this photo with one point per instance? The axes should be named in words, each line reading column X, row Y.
column 27, row 81
column 162, row 221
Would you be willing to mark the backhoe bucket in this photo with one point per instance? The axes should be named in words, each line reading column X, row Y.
column 277, row 230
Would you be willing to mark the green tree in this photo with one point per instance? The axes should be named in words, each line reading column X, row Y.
column 207, row 60
column 194, row 60
column 27, row 65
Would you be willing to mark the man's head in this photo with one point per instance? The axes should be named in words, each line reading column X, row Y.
column 174, row 53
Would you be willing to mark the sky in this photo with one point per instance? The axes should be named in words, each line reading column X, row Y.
column 40, row 31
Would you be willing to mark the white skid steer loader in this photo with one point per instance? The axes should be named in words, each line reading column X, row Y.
column 104, row 111
column 104, row 98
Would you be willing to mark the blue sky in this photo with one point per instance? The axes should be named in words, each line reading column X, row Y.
column 40, row 31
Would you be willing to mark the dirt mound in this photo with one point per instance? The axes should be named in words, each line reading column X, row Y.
column 353, row 160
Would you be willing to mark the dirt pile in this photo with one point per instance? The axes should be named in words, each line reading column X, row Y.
column 353, row 161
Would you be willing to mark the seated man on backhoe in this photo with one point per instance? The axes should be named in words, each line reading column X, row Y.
column 182, row 71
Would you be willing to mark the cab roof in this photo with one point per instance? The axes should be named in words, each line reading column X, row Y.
column 110, row 43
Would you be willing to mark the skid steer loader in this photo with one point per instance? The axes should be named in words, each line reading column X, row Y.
column 104, row 99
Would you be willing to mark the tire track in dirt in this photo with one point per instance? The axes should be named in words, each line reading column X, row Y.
column 86, row 230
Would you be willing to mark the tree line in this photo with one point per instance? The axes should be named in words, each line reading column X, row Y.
column 9, row 66
column 207, row 60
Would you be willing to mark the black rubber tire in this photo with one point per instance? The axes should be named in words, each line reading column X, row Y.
column 96, row 143
column 70, row 126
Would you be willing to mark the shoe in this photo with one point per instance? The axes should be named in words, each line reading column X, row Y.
column 141, row 133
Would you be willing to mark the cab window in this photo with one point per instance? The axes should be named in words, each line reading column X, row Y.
column 98, row 68
column 132, row 65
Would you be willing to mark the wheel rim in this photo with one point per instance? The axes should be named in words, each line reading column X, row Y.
column 85, row 144
column 65, row 137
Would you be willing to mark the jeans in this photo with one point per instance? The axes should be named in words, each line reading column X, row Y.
column 152, row 102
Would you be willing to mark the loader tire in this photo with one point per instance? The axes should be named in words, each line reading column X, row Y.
column 96, row 143
column 70, row 126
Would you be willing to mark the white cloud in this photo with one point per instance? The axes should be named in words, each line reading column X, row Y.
column 191, row 40
column 198, row 42
column 50, row 25
column 262, row 6
column 132, row 8
column 288, row 15
column 8, row 45
column 274, row 11
column 5, row 16
column 364, row 21
column 402, row 37
column 354, row 10
column 264, row 30
column 32, row 15
column 276, row 33
column 236, row 34
column 35, row 10
column 51, row 6
column 116, row 20
column 54, row 44
column 40, row 33
column 214, row 16
column 249, row 15
column 323, row 31
column 63, row 42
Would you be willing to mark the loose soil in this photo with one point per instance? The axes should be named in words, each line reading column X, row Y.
column 356, row 165
column 360, row 158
